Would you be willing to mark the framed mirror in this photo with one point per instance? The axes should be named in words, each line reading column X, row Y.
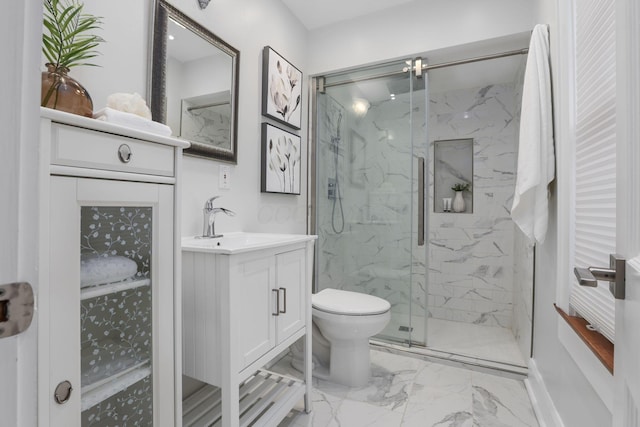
column 194, row 84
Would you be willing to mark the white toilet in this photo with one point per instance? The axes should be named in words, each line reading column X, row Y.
column 347, row 320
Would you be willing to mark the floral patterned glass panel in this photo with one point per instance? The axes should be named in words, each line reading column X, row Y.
column 130, row 407
column 116, row 315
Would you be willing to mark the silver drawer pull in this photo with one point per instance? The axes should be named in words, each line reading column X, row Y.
column 124, row 153
column 284, row 291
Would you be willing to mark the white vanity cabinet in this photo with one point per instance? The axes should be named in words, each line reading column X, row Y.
column 245, row 301
column 109, row 260
column 274, row 302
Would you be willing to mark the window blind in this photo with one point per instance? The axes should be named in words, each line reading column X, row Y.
column 595, row 160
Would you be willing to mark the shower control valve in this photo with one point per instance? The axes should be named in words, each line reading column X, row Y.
column 331, row 189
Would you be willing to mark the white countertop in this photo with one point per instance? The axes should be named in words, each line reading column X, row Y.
column 239, row 242
column 102, row 126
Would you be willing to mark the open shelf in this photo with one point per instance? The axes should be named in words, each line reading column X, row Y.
column 109, row 288
column 99, row 391
column 265, row 399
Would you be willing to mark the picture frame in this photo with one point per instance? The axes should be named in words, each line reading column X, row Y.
column 280, row 158
column 281, row 89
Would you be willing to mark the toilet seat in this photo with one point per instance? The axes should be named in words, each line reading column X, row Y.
column 336, row 301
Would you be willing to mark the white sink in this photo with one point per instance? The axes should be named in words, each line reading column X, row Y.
column 237, row 242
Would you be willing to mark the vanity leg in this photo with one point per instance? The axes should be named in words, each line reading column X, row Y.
column 230, row 402
column 308, row 379
column 307, row 369
column 230, row 364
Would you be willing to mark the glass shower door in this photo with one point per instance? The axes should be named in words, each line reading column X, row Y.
column 366, row 170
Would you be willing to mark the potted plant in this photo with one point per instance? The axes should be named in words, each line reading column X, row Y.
column 458, row 201
column 67, row 42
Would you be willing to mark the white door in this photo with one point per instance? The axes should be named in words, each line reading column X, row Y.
column 627, row 348
column 20, row 25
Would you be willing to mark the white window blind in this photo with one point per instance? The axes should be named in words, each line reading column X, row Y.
column 595, row 162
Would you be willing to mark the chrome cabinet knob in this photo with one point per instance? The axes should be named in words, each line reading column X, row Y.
column 62, row 394
column 124, row 153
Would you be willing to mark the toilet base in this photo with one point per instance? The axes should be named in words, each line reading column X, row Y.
column 351, row 369
column 318, row 370
column 350, row 362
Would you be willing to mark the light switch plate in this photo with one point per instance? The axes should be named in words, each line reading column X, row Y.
column 224, row 180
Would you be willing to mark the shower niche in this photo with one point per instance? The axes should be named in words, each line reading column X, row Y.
column 452, row 165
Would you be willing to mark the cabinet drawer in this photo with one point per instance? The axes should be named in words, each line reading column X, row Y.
column 72, row 146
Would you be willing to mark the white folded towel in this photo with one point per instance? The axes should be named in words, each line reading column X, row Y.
column 98, row 270
column 536, row 159
column 131, row 120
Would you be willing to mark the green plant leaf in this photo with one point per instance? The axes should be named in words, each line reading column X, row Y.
column 66, row 41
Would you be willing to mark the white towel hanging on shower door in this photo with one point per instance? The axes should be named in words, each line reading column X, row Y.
column 536, row 160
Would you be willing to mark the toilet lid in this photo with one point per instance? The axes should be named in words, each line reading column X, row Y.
column 349, row 303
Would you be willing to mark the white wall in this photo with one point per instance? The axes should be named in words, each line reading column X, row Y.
column 413, row 28
column 123, row 56
column 248, row 25
column 575, row 399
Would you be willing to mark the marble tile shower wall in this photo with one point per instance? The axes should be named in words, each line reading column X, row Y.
column 373, row 254
column 471, row 255
column 522, row 293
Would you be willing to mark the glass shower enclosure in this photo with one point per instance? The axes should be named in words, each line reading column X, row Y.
column 390, row 149
column 370, row 153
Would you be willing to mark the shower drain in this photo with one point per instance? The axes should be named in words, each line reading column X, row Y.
column 405, row 329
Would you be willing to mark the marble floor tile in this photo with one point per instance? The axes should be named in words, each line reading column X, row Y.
column 500, row 402
column 481, row 342
column 391, row 380
column 407, row 392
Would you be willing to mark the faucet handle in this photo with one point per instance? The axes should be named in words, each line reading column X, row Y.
column 209, row 203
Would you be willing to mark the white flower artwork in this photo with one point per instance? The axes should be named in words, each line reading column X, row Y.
column 280, row 161
column 281, row 89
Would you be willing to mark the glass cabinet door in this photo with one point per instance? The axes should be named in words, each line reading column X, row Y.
column 111, row 255
column 116, row 329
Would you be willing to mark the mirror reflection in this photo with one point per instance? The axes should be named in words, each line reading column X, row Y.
column 194, row 84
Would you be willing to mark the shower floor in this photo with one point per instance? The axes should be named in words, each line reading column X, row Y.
column 490, row 343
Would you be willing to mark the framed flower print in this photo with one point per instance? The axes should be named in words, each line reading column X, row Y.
column 281, row 89
column 280, row 161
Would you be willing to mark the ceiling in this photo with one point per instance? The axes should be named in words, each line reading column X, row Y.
column 315, row 14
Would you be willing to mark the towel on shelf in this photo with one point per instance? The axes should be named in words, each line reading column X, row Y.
column 131, row 120
column 536, row 159
column 98, row 270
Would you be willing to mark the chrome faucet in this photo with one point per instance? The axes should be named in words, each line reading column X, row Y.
column 209, row 212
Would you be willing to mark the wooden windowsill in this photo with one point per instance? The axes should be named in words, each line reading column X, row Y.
column 599, row 345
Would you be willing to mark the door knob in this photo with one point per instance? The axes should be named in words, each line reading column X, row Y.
column 62, row 393
column 615, row 275
column 16, row 308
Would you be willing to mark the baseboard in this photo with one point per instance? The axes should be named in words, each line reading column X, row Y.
column 541, row 401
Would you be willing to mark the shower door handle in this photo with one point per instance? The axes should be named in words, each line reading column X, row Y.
column 420, row 201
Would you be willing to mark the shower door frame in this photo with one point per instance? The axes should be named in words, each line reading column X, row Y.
column 422, row 69
column 317, row 85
